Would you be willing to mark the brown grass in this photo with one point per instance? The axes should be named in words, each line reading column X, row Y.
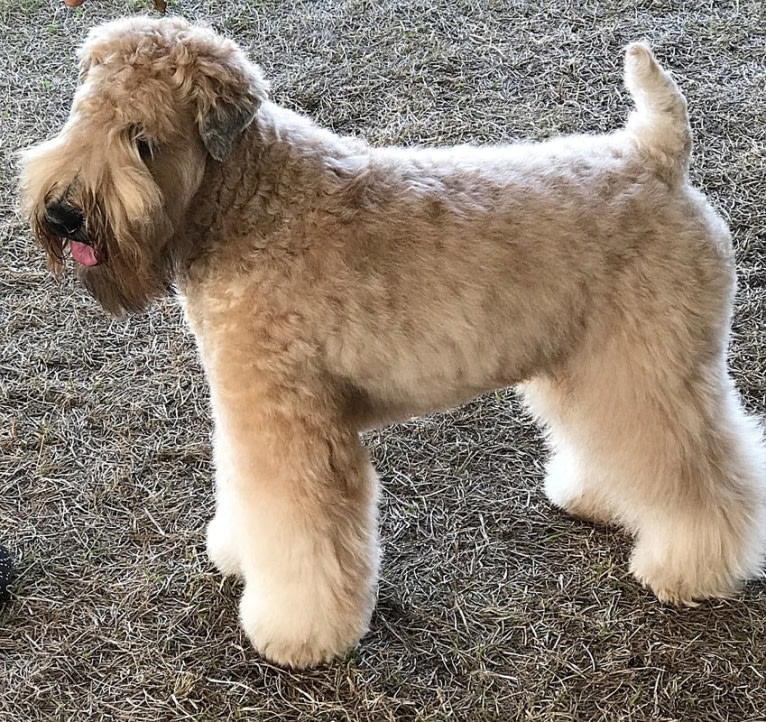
column 493, row 606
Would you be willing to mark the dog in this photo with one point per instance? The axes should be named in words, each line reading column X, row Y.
column 333, row 287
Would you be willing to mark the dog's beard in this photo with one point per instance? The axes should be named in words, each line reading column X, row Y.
column 133, row 271
column 121, row 291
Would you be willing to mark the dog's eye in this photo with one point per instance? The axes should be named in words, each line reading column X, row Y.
column 144, row 148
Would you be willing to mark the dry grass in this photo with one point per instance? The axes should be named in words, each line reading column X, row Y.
column 493, row 606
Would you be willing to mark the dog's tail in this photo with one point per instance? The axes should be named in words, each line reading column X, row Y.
column 660, row 123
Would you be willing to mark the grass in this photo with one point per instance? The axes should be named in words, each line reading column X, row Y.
column 492, row 605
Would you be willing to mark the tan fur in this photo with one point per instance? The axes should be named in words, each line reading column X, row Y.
column 334, row 287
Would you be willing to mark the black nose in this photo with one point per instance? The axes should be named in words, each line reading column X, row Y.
column 63, row 220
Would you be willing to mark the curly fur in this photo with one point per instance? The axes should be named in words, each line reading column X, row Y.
column 333, row 287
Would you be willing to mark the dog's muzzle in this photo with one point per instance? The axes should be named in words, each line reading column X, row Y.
column 67, row 222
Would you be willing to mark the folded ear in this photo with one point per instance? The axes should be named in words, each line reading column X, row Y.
column 224, row 122
column 228, row 91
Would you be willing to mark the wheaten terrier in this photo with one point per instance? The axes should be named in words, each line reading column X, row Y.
column 334, row 287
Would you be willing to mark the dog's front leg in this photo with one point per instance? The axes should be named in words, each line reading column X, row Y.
column 296, row 519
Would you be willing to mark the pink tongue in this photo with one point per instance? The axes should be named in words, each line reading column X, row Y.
column 83, row 253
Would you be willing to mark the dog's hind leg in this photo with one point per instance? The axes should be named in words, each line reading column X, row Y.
column 573, row 480
column 698, row 507
column 655, row 438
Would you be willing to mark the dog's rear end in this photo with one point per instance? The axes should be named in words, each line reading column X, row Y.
column 646, row 427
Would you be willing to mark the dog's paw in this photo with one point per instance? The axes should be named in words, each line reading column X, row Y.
column 677, row 581
column 667, row 589
column 222, row 548
column 299, row 633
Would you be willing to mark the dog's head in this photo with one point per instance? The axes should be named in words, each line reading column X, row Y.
column 158, row 99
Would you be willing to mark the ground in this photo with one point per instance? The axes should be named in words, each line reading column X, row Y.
column 493, row 606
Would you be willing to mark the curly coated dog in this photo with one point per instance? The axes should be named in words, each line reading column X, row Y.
column 333, row 287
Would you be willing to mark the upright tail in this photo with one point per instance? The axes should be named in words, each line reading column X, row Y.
column 660, row 123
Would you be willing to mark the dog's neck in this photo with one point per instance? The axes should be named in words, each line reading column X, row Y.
column 250, row 184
